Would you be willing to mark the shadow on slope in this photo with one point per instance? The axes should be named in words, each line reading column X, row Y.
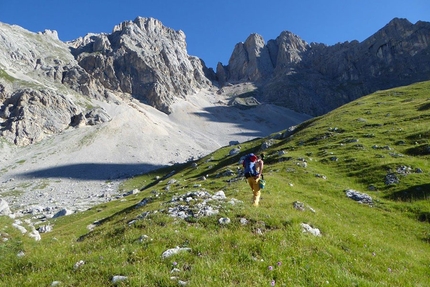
column 92, row 171
column 413, row 193
column 256, row 121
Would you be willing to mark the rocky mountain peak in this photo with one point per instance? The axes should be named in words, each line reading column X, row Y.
column 140, row 59
column 51, row 33
column 399, row 24
column 250, row 60
column 289, row 49
column 145, row 59
column 317, row 78
column 396, row 29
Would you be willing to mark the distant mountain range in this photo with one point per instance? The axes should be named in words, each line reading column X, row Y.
column 79, row 118
column 315, row 78
column 106, row 107
column 147, row 61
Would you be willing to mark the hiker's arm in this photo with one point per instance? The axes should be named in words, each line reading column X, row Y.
column 261, row 165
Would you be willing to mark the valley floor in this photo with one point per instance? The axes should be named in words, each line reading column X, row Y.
column 85, row 166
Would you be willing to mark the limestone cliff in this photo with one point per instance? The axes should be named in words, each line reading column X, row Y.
column 316, row 78
column 47, row 85
column 142, row 58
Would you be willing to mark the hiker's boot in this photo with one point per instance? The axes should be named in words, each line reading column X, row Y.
column 256, row 199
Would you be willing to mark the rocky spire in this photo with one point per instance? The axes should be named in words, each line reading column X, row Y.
column 251, row 60
column 316, row 78
column 145, row 59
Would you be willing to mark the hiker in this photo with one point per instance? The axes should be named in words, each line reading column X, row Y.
column 253, row 171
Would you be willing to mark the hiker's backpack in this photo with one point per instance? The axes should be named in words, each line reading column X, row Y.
column 249, row 165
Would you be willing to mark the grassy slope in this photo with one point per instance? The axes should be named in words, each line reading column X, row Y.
column 355, row 146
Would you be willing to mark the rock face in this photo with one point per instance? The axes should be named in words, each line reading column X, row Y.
column 251, row 60
column 47, row 86
column 31, row 114
column 142, row 58
column 39, row 84
column 315, row 78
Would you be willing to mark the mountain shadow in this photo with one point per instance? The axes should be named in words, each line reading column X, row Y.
column 413, row 193
column 92, row 171
column 256, row 121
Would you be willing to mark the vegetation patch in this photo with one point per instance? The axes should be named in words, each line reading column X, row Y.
column 12, row 193
column 4, row 75
column 315, row 177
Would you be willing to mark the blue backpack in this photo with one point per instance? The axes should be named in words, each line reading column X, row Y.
column 249, row 165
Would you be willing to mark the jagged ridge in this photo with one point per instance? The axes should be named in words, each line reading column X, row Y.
column 315, row 78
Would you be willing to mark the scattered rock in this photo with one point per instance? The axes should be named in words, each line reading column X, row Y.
column 118, row 278
column 97, row 116
column 359, row 197
column 321, row 176
column 132, row 192
column 62, row 212
column 4, row 207
column 299, row 205
column 19, row 227
column 224, row 220
column 267, row 144
column 35, row 234
column 78, row 264
column 173, row 251
column 404, row 170
column 391, row 178
column 172, row 181
column 243, row 221
column 234, row 151
column 44, row 228
column 219, row 195
column 307, row 228
column 175, row 270
column 203, row 204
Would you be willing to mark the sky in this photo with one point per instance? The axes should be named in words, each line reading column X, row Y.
column 213, row 28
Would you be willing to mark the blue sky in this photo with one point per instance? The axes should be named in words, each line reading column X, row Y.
column 213, row 28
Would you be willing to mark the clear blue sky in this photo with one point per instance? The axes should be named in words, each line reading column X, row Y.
column 213, row 28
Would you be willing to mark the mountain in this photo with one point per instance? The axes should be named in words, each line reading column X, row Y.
column 142, row 58
column 140, row 144
column 315, row 78
column 85, row 114
column 77, row 118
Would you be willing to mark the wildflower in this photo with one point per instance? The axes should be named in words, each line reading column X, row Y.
column 270, row 268
column 175, row 263
column 279, row 263
column 273, row 283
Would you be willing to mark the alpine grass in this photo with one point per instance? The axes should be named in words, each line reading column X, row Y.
column 355, row 147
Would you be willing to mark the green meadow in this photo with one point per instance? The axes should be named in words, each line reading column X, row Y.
column 358, row 146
